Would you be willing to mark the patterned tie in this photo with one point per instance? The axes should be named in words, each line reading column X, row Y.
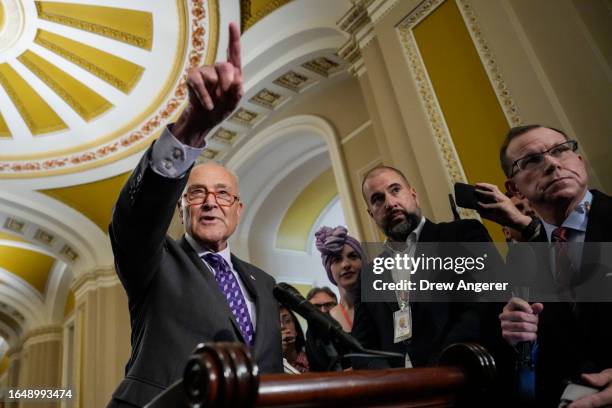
column 229, row 286
column 563, row 266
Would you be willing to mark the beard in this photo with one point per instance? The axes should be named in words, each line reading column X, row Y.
column 399, row 232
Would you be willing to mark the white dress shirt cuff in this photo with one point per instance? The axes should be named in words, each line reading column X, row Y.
column 171, row 158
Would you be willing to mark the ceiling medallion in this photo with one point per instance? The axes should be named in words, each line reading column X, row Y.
column 71, row 100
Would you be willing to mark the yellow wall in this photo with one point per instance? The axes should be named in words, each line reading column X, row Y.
column 471, row 109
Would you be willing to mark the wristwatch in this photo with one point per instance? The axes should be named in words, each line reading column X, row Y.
column 532, row 229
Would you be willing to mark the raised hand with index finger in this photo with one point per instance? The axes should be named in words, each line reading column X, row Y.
column 214, row 92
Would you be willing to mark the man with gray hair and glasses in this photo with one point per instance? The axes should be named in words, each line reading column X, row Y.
column 192, row 290
column 574, row 340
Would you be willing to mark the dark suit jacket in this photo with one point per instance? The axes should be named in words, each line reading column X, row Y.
column 575, row 339
column 174, row 300
column 436, row 324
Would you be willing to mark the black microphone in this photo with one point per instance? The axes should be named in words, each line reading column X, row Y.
column 522, row 263
column 325, row 325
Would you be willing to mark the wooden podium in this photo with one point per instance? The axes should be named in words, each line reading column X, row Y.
column 224, row 375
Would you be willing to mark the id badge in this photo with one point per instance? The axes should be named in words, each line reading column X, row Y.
column 402, row 323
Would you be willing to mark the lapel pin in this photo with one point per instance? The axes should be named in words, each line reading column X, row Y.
column 252, row 277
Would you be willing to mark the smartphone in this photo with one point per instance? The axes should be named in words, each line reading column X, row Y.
column 467, row 196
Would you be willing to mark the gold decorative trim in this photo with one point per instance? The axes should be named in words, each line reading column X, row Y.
column 44, row 237
column 210, row 154
column 442, row 136
column 444, row 142
column 249, row 19
column 69, row 253
column 89, row 66
column 132, row 142
column 129, row 38
column 24, row 110
column 322, row 66
column 268, row 99
column 293, row 81
column 213, row 31
column 490, row 64
column 14, row 225
column 58, row 88
column 244, row 117
column 225, row 136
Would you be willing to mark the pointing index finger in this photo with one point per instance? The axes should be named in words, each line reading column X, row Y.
column 233, row 48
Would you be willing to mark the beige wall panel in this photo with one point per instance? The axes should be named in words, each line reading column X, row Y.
column 361, row 153
column 102, row 343
column 41, row 368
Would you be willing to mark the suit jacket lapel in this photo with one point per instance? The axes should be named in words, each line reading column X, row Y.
column 247, row 277
column 209, row 277
column 599, row 218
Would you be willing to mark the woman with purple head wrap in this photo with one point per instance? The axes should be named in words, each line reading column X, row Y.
column 342, row 257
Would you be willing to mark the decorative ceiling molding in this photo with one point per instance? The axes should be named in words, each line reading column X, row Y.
column 251, row 11
column 54, row 60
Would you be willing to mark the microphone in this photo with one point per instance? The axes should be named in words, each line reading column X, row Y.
column 522, row 263
column 325, row 325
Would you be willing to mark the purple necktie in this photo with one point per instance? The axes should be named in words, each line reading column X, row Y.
column 229, row 286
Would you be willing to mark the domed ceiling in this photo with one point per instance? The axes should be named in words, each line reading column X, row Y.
column 84, row 84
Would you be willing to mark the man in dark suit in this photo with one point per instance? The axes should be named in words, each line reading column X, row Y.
column 193, row 290
column 394, row 206
column 574, row 339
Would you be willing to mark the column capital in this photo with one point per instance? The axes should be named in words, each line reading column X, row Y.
column 359, row 23
column 97, row 278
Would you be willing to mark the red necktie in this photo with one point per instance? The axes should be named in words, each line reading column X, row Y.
column 563, row 266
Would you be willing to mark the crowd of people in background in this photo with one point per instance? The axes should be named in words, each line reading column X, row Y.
column 548, row 200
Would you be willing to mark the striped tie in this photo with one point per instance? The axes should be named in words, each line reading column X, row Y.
column 235, row 299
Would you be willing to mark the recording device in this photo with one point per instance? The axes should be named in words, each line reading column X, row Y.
column 467, row 196
column 326, row 326
column 520, row 261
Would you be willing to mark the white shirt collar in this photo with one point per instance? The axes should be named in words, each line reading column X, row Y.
column 577, row 220
column 202, row 250
column 416, row 233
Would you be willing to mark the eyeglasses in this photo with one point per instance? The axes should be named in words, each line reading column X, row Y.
column 198, row 195
column 325, row 307
column 535, row 160
column 286, row 321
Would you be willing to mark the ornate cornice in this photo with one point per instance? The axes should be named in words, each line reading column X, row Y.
column 42, row 335
column 99, row 278
column 359, row 23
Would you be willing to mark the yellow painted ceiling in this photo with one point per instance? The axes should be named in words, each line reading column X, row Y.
column 471, row 109
column 251, row 11
column 12, row 237
column 31, row 266
column 304, row 211
column 5, row 361
column 1, row 16
column 131, row 26
column 94, row 200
